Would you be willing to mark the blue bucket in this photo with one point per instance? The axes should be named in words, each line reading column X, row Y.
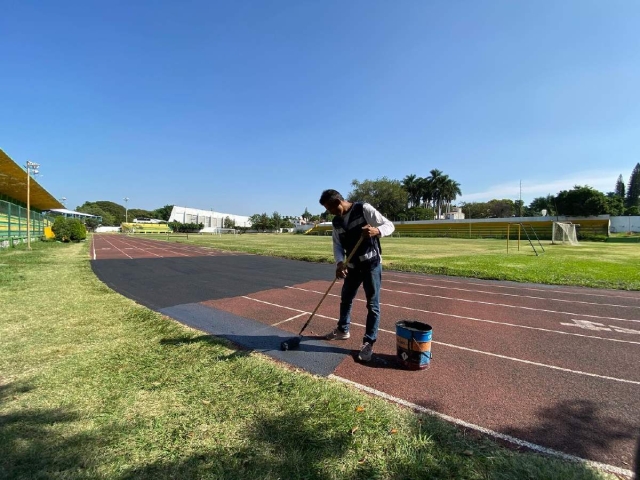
column 413, row 340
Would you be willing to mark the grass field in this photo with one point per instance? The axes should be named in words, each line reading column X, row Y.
column 94, row 386
column 592, row 264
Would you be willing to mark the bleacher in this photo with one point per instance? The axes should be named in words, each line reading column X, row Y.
column 490, row 228
column 13, row 228
column 145, row 228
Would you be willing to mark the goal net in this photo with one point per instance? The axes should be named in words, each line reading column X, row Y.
column 218, row 230
column 564, row 233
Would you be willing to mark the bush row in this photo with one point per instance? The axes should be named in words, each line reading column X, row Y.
column 69, row 229
column 186, row 227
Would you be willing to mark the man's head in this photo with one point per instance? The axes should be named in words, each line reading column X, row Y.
column 334, row 202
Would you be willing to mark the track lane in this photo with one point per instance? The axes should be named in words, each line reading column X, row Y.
column 505, row 377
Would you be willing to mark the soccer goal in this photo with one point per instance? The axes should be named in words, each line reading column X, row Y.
column 564, row 232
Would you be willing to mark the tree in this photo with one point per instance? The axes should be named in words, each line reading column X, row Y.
column 229, row 223
column 260, row 221
column 163, row 213
column 326, row 216
column 276, row 220
column 306, row 215
column 69, row 229
column 435, row 183
column 619, row 190
column 581, row 201
column 386, row 196
column 615, row 204
column 543, row 203
column 476, row 210
column 93, row 209
column 501, row 208
column 518, row 206
column 438, row 189
column 633, row 191
column 411, row 184
column 635, row 210
column 91, row 223
column 450, row 191
column 417, row 213
column 113, row 214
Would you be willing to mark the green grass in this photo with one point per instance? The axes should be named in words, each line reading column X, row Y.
column 94, row 386
column 592, row 264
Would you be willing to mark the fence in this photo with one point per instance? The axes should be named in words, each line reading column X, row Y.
column 13, row 224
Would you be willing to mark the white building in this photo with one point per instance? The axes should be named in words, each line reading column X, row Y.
column 209, row 218
column 455, row 214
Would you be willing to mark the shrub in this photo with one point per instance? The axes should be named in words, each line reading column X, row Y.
column 69, row 229
column 186, row 227
column 77, row 230
column 592, row 237
column 60, row 229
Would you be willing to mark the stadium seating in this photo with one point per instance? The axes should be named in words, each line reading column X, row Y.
column 485, row 228
column 137, row 228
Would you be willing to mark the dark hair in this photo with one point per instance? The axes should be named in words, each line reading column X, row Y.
column 330, row 196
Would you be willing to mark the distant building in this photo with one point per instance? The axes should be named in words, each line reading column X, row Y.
column 454, row 214
column 63, row 212
column 147, row 220
column 208, row 218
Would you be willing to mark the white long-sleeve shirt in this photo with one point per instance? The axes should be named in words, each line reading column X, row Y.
column 373, row 218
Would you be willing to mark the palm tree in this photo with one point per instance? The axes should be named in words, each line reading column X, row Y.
column 450, row 191
column 411, row 185
column 436, row 181
column 424, row 192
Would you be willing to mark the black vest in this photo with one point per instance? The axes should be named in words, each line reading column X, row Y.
column 368, row 255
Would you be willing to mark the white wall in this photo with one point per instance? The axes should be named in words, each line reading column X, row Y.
column 625, row 224
column 208, row 218
column 107, row 229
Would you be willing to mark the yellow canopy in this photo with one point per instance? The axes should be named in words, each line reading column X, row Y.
column 13, row 183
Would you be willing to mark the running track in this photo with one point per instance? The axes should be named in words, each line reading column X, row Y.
column 547, row 367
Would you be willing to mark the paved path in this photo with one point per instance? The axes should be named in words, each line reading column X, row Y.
column 549, row 367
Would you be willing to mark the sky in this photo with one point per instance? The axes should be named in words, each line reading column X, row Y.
column 246, row 107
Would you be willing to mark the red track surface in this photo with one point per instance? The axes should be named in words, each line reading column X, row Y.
column 555, row 366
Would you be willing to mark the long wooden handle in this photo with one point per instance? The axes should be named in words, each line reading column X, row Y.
column 330, row 286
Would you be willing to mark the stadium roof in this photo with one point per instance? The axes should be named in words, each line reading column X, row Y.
column 72, row 212
column 13, row 183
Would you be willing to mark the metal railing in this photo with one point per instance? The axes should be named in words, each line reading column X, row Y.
column 13, row 223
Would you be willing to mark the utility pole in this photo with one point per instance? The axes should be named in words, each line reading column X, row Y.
column 30, row 167
column 520, row 204
column 126, row 210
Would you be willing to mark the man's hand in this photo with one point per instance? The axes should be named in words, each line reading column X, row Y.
column 369, row 232
column 341, row 270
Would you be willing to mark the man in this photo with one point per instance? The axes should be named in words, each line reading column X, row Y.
column 352, row 221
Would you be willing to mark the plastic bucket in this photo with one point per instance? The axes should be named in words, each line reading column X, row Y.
column 413, row 340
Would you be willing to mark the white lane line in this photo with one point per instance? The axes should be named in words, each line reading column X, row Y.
column 117, row 248
column 562, row 369
column 504, row 357
column 514, row 295
column 136, row 247
column 176, row 249
column 302, row 312
column 289, row 319
column 510, row 306
column 608, row 295
column 473, row 319
column 492, row 433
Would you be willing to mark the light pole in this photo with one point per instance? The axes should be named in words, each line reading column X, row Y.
column 31, row 167
column 126, row 210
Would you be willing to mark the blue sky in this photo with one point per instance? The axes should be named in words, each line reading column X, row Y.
column 247, row 107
